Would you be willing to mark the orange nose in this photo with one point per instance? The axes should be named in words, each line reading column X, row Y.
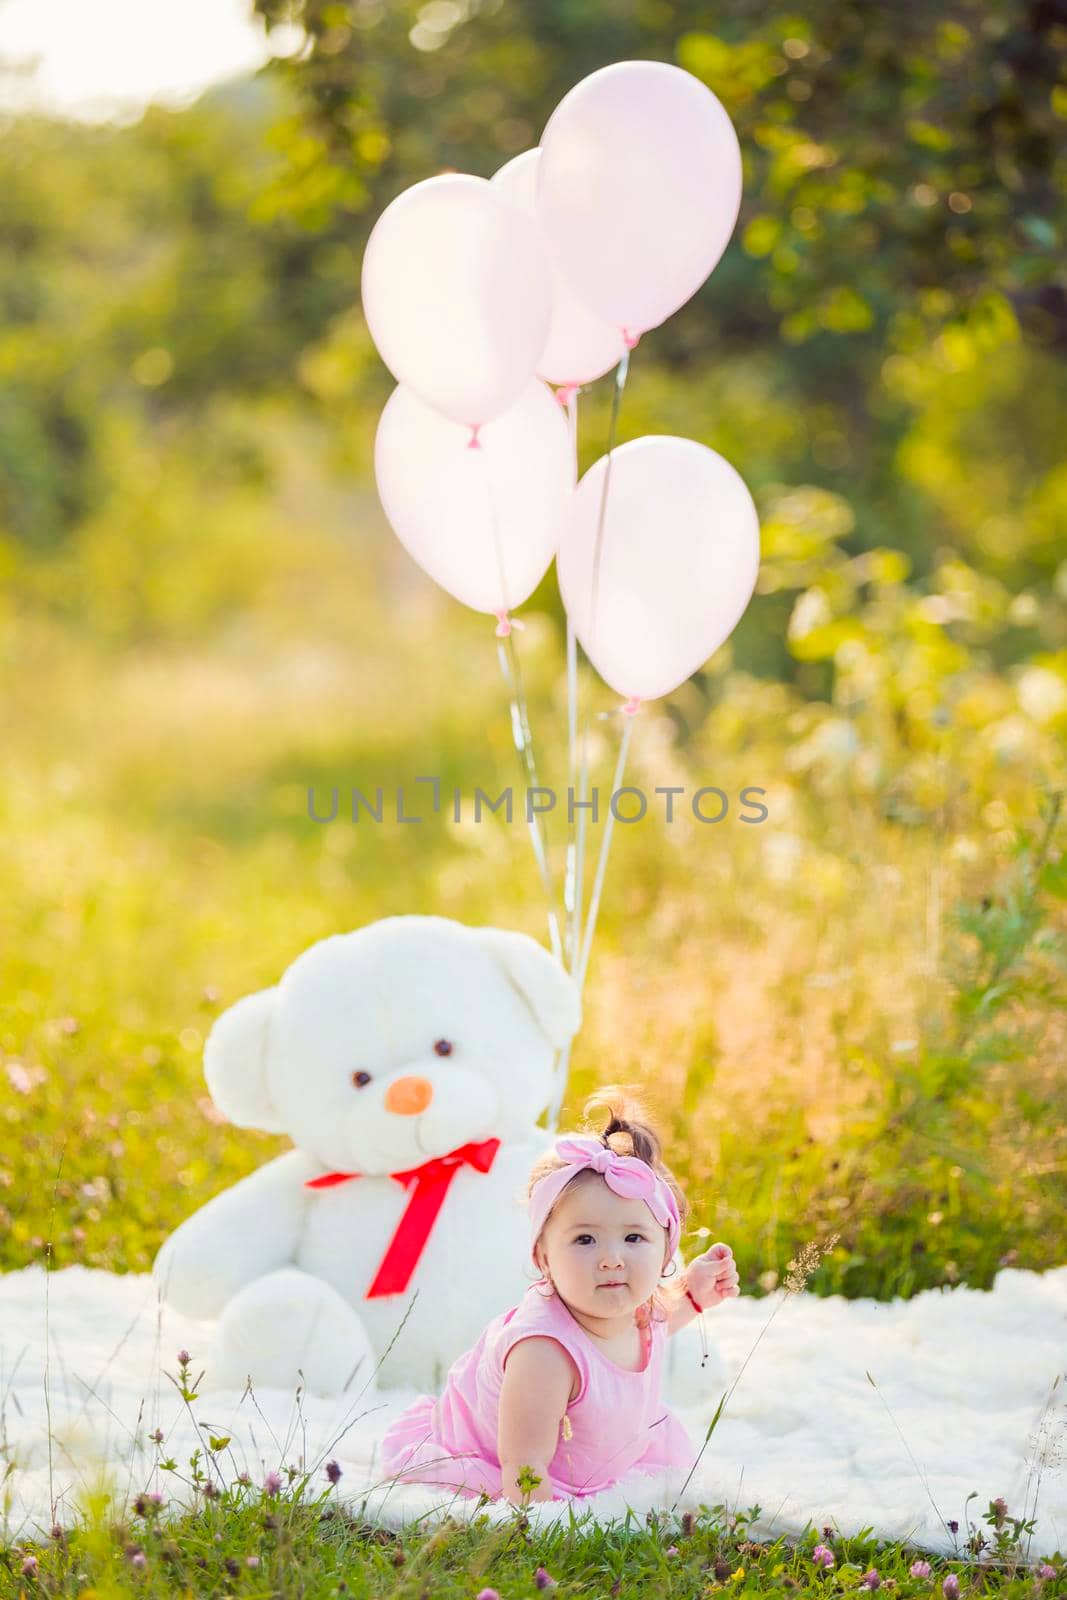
column 408, row 1096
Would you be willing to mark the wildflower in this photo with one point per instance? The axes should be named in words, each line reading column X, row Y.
column 1044, row 1572
column 919, row 1569
column 822, row 1557
column 252, row 1561
column 30, row 1566
column 999, row 1508
column 722, row 1570
column 488, row 1594
column 735, row 1577
column 157, row 1437
column 687, row 1523
column 136, row 1557
column 209, row 1491
column 543, row 1579
column 871, row 1580
column 671, row 1550
column 154, row 1497
column 272, row 1483
column 243, row 1477
column 333, row 1471
column 953, row 1526
column 950, row 1586
column 184, row 1358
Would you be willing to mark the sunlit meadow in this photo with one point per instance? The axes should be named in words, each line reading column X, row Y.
column 848, row 1018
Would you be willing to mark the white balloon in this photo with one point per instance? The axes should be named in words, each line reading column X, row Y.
column 457, row 293
column 483, row 522
column 580, row 346
column 679, row 555
column 638, row 190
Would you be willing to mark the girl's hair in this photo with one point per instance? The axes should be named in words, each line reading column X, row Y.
column 629, row 1132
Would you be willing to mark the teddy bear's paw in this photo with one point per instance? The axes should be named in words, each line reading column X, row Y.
column 289, row 1329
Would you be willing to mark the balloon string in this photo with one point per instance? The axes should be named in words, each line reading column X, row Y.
column 605, row 846
column 621, row 375
column 520, row 722
column 572, row 899
column 520, row 733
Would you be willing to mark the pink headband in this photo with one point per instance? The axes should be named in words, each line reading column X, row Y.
column 625, row 1175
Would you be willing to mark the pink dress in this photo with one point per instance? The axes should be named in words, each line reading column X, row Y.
column 618, row 1424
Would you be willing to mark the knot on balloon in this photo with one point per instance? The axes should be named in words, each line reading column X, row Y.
column 632, row 707
column 504, row 624
column 630, row 340
column 474, row 443
column 566, row 393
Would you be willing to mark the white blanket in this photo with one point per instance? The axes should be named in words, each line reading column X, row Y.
column 963, row 1401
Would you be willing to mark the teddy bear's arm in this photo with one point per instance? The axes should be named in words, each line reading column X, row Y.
column 246, row 1231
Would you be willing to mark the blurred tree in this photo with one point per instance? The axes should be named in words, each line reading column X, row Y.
column 903, row 210
column 883, row 328
column 137, row 275
column 888, row 150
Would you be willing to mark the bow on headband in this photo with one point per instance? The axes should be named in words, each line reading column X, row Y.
column 624, row 1175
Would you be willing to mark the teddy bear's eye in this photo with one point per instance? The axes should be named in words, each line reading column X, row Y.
column 443, row 1047
column 360, row 1079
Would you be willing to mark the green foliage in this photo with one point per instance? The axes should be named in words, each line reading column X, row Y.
column 936, row 1138
column 137, row 289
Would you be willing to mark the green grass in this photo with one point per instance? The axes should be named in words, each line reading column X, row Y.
column 299, row 1541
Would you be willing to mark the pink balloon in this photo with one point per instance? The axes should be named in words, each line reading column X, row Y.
column 678, row 562
column 457, row 294
column 638, row 190
column 483, row 522
column 580, row 346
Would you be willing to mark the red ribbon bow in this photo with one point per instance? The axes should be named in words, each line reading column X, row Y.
column 431, row 1182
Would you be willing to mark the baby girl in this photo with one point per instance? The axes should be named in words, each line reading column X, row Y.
column 566, row 1385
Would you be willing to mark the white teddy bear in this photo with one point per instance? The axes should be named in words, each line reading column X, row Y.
column 411, row 1039
column 411, row 1043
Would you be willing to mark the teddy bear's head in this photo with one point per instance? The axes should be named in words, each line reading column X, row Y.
column 401, row 1041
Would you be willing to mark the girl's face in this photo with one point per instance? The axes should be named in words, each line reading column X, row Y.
column 603, row 1253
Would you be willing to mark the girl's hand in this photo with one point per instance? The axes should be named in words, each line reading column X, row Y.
column 712, row 1277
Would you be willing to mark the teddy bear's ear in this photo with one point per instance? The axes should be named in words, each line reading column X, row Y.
column 551, row 995
column 235, row 1063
